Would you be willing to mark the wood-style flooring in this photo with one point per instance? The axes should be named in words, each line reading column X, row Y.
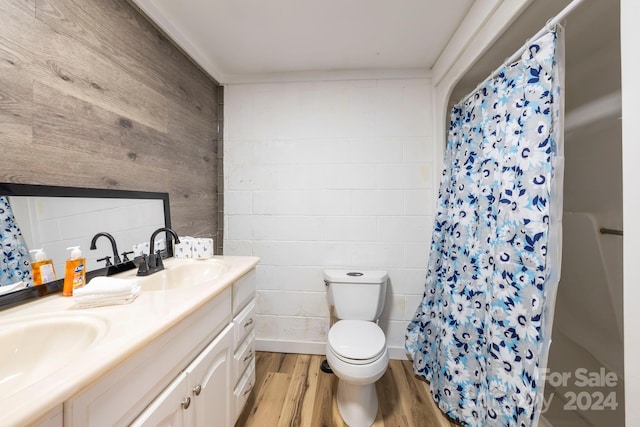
column 291, row 390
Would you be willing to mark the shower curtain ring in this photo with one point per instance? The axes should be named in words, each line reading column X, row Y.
column 549, row 25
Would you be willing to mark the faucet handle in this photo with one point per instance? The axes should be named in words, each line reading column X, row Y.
column 159, row 264
column 125, row 258
column 107, row 260
column 143, row 268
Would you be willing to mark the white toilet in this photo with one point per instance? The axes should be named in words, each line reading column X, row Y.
column 356, row 346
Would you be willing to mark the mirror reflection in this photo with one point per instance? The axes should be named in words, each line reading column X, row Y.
column 39, row 223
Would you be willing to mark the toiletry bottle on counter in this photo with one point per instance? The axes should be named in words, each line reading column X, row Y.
column 43, row 271
column 74, row 274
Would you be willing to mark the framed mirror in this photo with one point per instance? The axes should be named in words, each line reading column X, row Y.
column 54, row 218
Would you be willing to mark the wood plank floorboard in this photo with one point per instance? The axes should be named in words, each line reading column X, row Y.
column 291, row 391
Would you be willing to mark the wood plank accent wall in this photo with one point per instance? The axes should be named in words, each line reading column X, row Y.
column 93, row 95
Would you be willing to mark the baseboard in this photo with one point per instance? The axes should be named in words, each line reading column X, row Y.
column 308, row 347
column 398, row 353
column 299, row 347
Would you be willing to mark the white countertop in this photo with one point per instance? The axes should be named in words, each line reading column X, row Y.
column 130, row 328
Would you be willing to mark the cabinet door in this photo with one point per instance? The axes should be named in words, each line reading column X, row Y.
column 52, row 419
column 169, row 409
column 209, row 379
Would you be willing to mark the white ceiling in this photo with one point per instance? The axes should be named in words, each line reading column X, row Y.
column 245, row 40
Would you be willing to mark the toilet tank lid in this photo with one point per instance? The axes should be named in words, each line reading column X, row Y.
column 355, row 276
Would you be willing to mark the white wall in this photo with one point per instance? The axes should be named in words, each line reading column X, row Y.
column 630, row 35
column 328, row 174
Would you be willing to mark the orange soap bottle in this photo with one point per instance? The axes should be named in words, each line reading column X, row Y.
column 74, row 272
column 43, row 271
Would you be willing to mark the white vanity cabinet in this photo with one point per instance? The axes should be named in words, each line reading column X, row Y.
column 198, row 373
column 198, row 345
column 200, row 395
column 243, row 365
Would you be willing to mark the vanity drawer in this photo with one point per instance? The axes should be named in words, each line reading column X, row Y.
column 244, row 323
column 244, row 356
column 242, row 391
column 244, row 289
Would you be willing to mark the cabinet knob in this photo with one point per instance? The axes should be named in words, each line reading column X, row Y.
column 186, row 403
column 197, row 390
column 248, row 322
column 248, row 356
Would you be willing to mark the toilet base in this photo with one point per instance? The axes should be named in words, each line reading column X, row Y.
column 358, row 404
column 325, row 367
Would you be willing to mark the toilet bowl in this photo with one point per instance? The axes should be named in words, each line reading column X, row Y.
column 358, row 350
column 356, row 346
column 358, row 355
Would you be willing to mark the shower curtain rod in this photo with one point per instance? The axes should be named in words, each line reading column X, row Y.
column 550, row 23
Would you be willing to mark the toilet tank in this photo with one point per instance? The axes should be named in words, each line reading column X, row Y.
column 356, row 294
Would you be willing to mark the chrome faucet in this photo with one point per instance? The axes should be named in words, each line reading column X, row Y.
column 153, row 262
column 114, row 247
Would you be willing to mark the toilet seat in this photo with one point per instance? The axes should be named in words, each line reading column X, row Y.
column 357, row 342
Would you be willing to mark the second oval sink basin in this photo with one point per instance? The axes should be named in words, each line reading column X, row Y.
column 32, row 348
column 183, row 273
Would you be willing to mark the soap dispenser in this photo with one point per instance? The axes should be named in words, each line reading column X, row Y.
column 75, row 271
column 43, row 271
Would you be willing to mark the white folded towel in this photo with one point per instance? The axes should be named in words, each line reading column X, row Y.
column 12, row 287
column 106, row 291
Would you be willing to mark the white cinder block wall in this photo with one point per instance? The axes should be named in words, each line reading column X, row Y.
column 328, row 174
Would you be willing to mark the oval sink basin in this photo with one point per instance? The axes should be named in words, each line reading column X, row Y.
column 184, row 273
column 35, row 347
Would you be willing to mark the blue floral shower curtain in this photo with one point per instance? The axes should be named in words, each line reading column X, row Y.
column 15, row 265
column 482, row 333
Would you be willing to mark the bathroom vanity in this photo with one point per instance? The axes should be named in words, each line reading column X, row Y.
column 183, row 352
